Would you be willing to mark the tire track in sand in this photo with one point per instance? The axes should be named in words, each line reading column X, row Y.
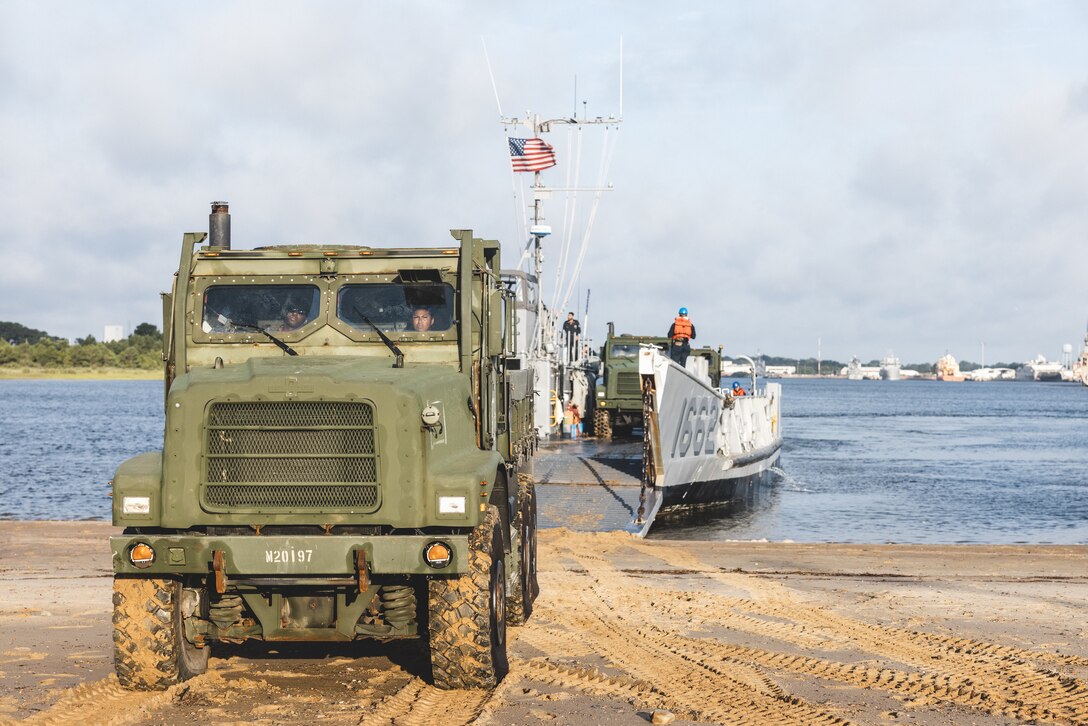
column 924, row 687
column 105, row 702
column 691, row 687
column 990, row 677
column 420, row 704
column 1011, row 671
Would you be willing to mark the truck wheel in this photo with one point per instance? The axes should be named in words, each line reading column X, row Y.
column 467, row 615
column 150, row 651
column 602, row 425
column 522, row 597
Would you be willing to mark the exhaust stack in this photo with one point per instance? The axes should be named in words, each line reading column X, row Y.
column 219, row 226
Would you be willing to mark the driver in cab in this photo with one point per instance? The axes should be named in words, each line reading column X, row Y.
column 294, row 316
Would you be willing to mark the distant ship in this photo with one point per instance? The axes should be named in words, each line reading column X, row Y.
column 991, row 374
column 948, row 369
column 1039, row 369
column 853, row 369
column 1080, row 366
column 889, row 368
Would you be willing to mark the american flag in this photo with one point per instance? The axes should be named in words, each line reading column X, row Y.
column 531, row 154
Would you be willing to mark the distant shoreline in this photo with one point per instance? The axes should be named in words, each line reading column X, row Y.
column 80, row 374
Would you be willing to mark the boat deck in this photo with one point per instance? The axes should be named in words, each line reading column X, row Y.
column 587, row 485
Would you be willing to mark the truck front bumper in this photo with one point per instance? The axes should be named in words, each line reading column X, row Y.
column 287, row 556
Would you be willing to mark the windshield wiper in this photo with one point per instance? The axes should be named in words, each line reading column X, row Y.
column 279, row 343
column 224, row 320
column 385, row 338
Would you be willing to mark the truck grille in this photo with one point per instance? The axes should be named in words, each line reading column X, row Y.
column 627, row 384
column 291, row 455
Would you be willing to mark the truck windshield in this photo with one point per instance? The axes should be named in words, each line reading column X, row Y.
column 625, row 350
column 397, row 307
column 278, row 308
column 630, row 350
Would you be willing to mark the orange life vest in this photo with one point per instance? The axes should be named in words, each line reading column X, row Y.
column 681, row 328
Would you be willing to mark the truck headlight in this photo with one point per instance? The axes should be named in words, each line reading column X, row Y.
column 437, row 554
column 136, row 505
column 141, row 555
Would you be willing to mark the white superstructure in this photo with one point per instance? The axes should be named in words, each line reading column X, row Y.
column 889, row 368
column 1039, row 369
column 1080, row 365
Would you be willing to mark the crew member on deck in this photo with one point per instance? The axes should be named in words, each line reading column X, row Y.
column 681, row 333
column 572, row 330
column 738, row 390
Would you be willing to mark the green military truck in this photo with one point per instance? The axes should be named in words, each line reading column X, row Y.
column 619, row 390
column 344, row 429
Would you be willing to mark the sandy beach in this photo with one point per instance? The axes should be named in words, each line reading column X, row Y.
column 722, row 632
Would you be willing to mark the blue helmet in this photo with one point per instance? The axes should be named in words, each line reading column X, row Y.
column 683, row 311
column 736, row 384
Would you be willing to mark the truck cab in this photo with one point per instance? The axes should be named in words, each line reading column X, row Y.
column 344, row 432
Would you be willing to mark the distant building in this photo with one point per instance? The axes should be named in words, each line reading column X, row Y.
column 113, row 332
column 780, row 371
column 733, row 368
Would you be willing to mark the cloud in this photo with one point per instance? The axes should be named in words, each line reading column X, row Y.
column 876, row 175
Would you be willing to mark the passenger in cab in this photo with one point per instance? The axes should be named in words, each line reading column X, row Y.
column 422, row 320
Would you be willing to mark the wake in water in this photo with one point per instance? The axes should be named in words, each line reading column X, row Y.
column 792, row 484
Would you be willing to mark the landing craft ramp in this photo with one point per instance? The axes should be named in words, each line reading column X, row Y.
column 587, row 485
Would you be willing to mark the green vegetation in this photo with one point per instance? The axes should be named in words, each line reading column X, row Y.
column 28, row 352
column 966, row 365
column 33, row 349
column 15, row 333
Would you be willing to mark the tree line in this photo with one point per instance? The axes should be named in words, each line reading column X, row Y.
column 22, row 346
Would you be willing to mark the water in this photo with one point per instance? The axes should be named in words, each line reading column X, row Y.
column 61, row 441
column 922, row 461
column 863, row 461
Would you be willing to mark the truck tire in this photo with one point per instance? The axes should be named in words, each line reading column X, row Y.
column 467, row 615
column 602, row 425
column 520, row 603
column 150, row 651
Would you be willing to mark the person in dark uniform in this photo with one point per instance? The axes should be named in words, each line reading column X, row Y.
column 572, row 330
column 681, row 333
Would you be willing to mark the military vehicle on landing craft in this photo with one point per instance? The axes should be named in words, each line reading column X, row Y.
column 344, row 432
column 618, row 406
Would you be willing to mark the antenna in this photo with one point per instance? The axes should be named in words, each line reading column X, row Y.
column 545, row 323
column 492, row 75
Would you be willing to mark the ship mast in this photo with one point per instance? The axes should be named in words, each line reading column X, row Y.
column 538, row 230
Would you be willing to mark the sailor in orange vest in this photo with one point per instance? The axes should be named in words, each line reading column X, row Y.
column 681, row 332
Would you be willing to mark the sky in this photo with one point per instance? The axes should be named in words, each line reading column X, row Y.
column 842, row 178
